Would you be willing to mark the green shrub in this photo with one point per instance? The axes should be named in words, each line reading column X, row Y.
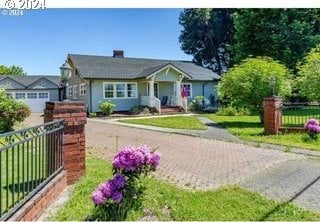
column 247, row 84
column 11, row 111
column 140, row 109
column 232, row 111
column 107, row 107
column 309, row 75
column 92, row 115
column 196, row 104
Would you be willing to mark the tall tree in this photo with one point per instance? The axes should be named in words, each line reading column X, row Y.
column 308, row 77
column 206, row 35
column 11, row 70
column 285, row 35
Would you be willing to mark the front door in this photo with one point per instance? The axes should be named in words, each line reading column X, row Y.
column 156, row 89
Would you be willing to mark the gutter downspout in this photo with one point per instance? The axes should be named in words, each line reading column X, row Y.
column 90, row 98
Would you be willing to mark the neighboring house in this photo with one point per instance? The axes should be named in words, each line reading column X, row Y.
column 129, row 82
column 34, row 90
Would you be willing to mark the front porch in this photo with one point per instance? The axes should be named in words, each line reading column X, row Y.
column 163, row 91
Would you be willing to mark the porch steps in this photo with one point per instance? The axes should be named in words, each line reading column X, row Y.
column 167, row 110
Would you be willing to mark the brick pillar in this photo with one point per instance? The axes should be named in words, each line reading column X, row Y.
column 74, row 114
column 272, row 114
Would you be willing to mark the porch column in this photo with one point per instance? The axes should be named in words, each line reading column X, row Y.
column 151, row 93
column 178, row 93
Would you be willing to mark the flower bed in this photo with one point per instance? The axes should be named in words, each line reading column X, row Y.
column 115, row 197
column 313, row 129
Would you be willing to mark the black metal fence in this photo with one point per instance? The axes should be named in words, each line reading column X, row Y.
column 29, row 159
column 297, row 114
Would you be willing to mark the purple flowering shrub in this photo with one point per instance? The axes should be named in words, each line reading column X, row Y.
column 313, row 129
column 115, row 197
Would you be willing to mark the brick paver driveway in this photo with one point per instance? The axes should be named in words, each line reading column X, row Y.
column 188, row 161
column 200, row 163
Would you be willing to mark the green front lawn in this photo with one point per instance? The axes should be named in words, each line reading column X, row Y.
column 22, row 169
column 250, row 128
column 175, row 122
column 299, row 116
column 168, row 202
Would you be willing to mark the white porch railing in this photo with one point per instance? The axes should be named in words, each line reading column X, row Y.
column 151, row 102
column 185, row 104
column 157, row 104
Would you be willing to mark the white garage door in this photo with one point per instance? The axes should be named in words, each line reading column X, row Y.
column 35, row 99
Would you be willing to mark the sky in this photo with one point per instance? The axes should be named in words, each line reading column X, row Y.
column 40, row 40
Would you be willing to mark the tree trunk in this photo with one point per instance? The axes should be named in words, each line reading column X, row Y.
column 261, row 116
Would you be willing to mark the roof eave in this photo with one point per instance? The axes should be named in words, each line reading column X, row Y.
column 167, row 66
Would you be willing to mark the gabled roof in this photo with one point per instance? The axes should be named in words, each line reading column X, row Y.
column 29, row 80
column 107, row 67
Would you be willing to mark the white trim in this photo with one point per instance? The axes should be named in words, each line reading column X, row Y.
column 44, row 98
column 168, row 67
column 75, row 93
column 70, row 91
column 158, row 91
column 115, row 90
column 85, row 89
column 26, row 94
column 32, row 93
column 187, row 83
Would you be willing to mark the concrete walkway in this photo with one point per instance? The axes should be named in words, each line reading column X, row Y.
column 296, row 181
column 215, row 131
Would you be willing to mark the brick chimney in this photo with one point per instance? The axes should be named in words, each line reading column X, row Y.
column 118, row 53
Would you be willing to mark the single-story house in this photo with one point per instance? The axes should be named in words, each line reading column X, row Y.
column 34, row 90
column 129, row 82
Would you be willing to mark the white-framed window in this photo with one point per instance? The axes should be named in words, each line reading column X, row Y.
column 70, row 93
column 10, row 95
column 188, row 88
column 83, row 89
column 43, row 95
column 32, row 95
column 120, row 90
column 132, row 90
column 108, row 90
column 20, row 95
column 75, row 92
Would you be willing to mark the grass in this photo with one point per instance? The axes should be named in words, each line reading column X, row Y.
column 250, row 128
column 168, row 202
column 298, row 117
column 174, row 122
column 22, row 168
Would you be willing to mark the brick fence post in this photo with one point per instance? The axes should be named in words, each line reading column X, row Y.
column 74, row 154
column 272, row 114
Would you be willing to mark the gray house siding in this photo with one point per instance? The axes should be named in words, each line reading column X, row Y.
column 8, row 83
column 121, row 104
column 53, row 93
column 39, row 86
column 76, row 80
column 209, row 89
column 165, row 89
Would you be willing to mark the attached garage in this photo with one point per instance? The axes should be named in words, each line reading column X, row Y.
column 33, row 90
